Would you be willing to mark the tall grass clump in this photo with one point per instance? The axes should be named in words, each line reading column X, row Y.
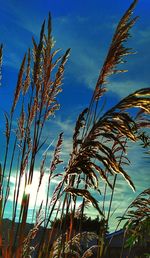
column 99, row 148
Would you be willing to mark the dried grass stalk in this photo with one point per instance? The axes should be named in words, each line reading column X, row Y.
column 117, row 51
column 80, row 124
column 50, row 112
column 90, row 251
column 21, row 124
column 86, row 194
column 38, row 52
column 58, row 77
column 33, row 110
column 27, row 78
column 19, row 84
column 27, row 250
column 73, row 247
column 7, row 131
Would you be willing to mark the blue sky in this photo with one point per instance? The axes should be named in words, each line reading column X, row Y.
column 87, row 28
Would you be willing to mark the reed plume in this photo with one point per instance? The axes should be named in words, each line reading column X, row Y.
column 19, row 84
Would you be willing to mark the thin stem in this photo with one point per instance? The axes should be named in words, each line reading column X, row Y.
column 49, row 217
column 7, row 146
column 8, row 179
column 111, row 198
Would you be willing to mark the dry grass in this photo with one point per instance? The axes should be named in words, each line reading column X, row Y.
column 99, row 150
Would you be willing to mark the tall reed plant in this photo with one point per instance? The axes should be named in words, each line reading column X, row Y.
column 99, row 147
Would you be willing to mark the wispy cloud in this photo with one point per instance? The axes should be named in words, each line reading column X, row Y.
column 67, row 127
column 89, row 47
column 143, row 35
column 124, row 88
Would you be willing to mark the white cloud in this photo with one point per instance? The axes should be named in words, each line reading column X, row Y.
column 66, row 125
column 143, row 35
column 124, row 88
